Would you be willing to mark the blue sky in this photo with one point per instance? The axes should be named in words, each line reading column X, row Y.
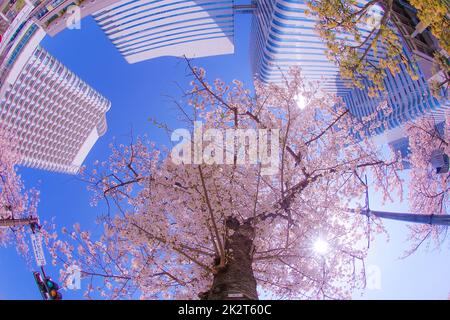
column 137, row 92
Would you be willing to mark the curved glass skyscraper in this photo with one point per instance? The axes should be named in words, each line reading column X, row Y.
column 146, row 29
column 284, row 36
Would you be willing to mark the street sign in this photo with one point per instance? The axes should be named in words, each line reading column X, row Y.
column 36, row 242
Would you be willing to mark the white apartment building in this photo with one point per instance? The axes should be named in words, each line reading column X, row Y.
column 55, row 116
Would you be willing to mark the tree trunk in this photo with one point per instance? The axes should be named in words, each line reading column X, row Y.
column 235, row 281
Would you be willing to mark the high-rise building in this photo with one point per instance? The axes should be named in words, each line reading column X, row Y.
column 54, row 115
column 408, row 99
column 56, row 15
column 284, row 36
column 146, row 29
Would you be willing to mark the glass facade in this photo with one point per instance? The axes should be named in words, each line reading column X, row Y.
column 148, row 29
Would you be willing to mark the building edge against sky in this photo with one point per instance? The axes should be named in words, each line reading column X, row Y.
column 147, row 29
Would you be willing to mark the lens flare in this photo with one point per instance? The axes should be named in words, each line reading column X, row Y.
column 321, row 246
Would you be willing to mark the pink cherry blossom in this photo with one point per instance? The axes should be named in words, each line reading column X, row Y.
column 206, row 231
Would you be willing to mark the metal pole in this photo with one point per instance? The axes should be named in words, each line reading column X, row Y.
column 17, row 222
column 433, row 219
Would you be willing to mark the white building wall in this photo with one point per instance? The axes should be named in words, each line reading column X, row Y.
column 147, row 29
column 85, row 148
column 53, row 113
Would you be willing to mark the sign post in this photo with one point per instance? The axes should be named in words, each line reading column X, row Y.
column 36, row 242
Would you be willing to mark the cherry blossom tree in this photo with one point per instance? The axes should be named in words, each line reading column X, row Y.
column 235, row 230
column 17, row 206
column 429, row 191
